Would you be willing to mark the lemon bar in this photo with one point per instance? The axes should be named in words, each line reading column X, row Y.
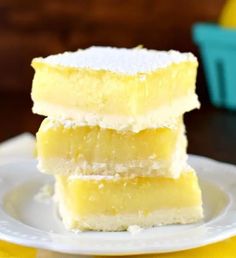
column 120, row 89
column 114, row 204
column 65, row 149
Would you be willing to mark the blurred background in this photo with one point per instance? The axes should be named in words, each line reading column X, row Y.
column 40, row 28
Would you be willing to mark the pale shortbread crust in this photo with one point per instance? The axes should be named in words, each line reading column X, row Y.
column 164, row 116
column 122, row 222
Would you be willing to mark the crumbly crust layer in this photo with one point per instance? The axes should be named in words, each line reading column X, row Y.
column 122, row 222
column 162, row 117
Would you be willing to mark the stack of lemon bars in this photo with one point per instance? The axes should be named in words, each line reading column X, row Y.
column 114, row 137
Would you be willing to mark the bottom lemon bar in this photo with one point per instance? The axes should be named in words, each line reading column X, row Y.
column 114, row 204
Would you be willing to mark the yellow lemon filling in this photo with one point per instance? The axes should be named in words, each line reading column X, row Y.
column 115, row 203
column 66, row 149
column 121, row 89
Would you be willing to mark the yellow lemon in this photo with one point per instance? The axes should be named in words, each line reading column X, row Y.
column 228, row 15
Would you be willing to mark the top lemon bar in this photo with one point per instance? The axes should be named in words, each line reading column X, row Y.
column 116, row 88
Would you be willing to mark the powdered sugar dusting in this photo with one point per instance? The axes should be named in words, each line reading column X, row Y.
column 120, row 60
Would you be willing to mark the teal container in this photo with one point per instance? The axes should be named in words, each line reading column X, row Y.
column 218, row 52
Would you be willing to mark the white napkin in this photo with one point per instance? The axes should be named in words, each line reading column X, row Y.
column 19, row 148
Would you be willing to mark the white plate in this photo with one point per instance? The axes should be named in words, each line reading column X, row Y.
column 26, row 221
